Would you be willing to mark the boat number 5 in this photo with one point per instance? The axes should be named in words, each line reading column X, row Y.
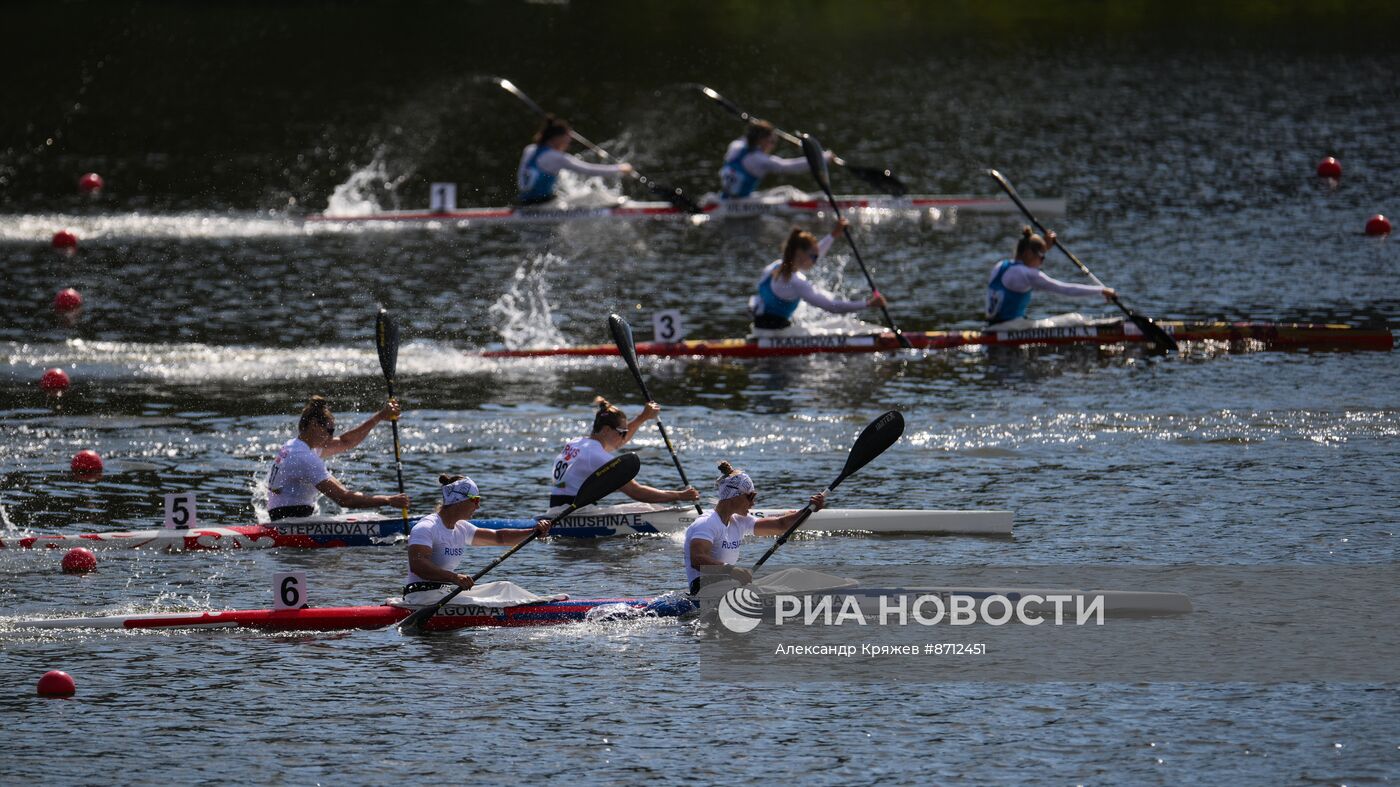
column 668, row 325
column 180, row 511
column 289, row 590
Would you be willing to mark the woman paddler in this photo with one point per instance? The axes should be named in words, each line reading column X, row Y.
column 299, row 472
column 712, row 541
column 1009, row 289
column 580, row 457
column 784, row 284
column 543, row 159
column 439, row 540
column 750, row 158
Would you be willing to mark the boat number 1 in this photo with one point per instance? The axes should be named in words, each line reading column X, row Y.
column 289, row 590
column 668, row 325
column 180, row 511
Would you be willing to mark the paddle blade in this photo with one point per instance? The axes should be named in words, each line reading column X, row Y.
column 386, row 340
column 816, row 161
column 882, row 433
column 1153, row 332
column 622, row 337
column 881, row 179
column 607, row 479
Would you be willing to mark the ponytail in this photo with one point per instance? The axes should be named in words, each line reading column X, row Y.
column 1030, row 242
column 797, row 240
column 607, row 415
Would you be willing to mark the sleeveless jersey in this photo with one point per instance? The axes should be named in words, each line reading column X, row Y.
column 734, row 179
column 1004, row 304
column 535, row 184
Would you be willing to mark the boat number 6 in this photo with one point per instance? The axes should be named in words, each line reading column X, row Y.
column 289, row 590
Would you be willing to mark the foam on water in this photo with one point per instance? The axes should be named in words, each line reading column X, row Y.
column 524, row 316
column 360, row 194
column 197, row 362
column 40, row 227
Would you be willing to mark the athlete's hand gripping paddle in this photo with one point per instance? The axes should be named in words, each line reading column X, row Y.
column 605, row 480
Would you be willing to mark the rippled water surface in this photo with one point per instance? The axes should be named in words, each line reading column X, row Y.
column 1186, row 159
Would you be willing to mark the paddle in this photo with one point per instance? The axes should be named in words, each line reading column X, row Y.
column 1150, row 329
column 622, row 337
column 881, row 179
column 386, row 341
column 672, row 195
column 605, row 480
column 812, row 149
column 882, row 433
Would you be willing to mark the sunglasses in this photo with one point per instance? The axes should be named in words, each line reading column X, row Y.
column 620, row 430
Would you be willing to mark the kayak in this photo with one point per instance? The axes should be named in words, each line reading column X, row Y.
column 356, row 530
column 452, row 616
column 926, row 204
column 1263, row 335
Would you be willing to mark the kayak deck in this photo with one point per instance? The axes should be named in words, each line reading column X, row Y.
column 358, row 530
column 451, row 617
column 1278, row 336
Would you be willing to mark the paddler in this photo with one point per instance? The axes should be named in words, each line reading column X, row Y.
column 580, row 457
column 299, row 472
column 542, row 161
column 784, row 284
column 1009, row 289
column 712, row 541
column 438, row 541
column 750, row 158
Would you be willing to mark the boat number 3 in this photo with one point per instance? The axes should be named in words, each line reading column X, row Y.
column 668, row 325
column 289, row 590
column 180, row 511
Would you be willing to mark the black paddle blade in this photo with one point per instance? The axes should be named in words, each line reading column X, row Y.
column 816, row 161
column 622, row 337
column 1153, row 331
column 607, row 479
column 882, row 433
column 881, row 179
column 386, row 340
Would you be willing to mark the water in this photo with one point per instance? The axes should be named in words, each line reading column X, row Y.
column 1186, row 158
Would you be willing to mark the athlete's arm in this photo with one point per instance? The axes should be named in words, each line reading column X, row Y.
column 420, row 562
column 353, row 437
column 778, row 525
column 650, row 494
column 347, row 499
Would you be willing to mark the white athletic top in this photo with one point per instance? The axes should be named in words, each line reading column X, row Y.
column 1024, row 278
column 800, row 288
column 724, row 539
column 760, row 164
column 449, row 545
column 551, row 161
column 295, row 473
column 575, row 464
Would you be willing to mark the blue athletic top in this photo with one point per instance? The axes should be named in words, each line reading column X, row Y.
column 1004, row 304
column 737, row 181
column 768, row 301
column 536, row 184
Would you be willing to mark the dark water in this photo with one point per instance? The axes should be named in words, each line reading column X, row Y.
column 1184, row 142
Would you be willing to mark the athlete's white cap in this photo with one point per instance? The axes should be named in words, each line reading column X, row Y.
column 735, row 485
column 459, row 490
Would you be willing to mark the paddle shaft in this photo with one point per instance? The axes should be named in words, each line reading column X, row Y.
column 889, row 320
column 802, row 516
column 398, row 456
column 660, row 427
column 674, row 196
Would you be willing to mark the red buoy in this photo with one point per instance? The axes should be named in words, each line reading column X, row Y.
column 54, row 381
column 1378, row 225
column 86, row 463
column 68, row 300
column 1329, row 168
column 79, row 560
column 65, row 240
column 91, row 183
column 57, row 683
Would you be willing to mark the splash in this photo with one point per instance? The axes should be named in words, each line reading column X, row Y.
column 523, row 314
column 366, row 190
column 832, row 279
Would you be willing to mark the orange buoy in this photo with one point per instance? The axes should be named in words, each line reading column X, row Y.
column 65, row 240
column 1378, row 225
column 54, row 381
column 57, row 683
column 67, row 300
column 1329, row 168
column 91, row 183
column 86, row 463
column 79, row 560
